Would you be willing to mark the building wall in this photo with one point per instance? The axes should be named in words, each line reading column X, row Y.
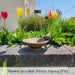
column 30, row 7
column 10, row 6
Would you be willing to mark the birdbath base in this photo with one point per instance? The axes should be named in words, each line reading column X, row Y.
column 35, row 49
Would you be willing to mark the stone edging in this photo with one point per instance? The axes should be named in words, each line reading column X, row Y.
column 39, row 60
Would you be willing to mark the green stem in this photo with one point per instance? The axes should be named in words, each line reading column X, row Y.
column 4, row 22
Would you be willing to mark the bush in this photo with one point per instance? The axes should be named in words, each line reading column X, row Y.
column 63, row 32
column 31, row 23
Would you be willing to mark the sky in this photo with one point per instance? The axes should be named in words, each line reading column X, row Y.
column 66, row 6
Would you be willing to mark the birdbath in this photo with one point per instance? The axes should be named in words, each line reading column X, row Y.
column 36, row 43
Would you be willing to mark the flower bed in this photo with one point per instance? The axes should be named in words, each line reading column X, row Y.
column 63, row 30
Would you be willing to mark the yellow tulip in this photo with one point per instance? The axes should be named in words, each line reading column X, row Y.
column 72, row 19
column 19, row 12
column 54, row 14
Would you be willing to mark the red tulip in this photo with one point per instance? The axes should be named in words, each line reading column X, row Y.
column 49, row 13
column 4, row 14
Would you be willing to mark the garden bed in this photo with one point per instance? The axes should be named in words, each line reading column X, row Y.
column 63, row 32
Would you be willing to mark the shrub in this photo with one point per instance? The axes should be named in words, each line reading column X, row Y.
column 63, row 32
column 31, row 23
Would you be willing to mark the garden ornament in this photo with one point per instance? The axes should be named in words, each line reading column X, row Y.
column 36, row 43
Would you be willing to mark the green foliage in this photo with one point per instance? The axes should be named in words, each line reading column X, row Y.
column 5, row 63
column 16, row 37
column 4, row 38
column 63, row 31
column 4, row 72
column 31, row 23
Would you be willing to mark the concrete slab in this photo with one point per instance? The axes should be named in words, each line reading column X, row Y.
column 46, row 50
column 50, row 55
column 70, row 48
column 52, row 49
column 9, row 50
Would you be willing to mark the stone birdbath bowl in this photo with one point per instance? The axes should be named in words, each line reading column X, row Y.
column 36, row 43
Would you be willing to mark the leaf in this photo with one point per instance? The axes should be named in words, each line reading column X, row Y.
column 4, row 72
column 0, row 72
column 5, row 63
